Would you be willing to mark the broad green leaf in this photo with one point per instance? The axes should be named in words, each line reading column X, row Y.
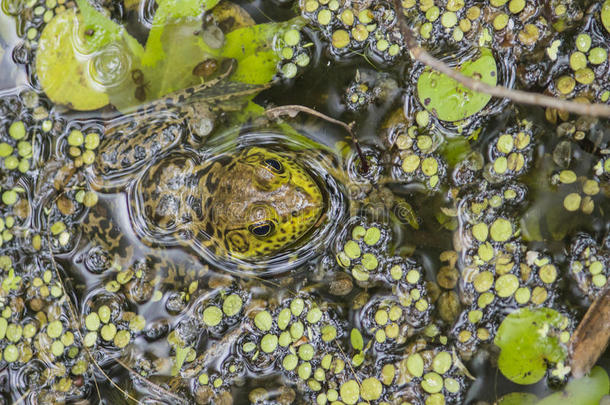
column 584, row 391
column 605, row 15
column 71, row 49
column 526, row 344
column 168, row 11
column 518, row 398
column 448, row 99
column 63, row 72
column 174, row 38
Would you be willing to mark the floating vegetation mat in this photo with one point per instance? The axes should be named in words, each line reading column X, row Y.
column 277, row 202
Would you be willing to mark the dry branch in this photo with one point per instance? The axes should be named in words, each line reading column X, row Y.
column 590, row 339
column 518, row 96
column 293, row 110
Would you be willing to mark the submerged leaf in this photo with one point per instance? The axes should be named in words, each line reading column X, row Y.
column 455, row 150
column 181, row 353
column 448, row 99
column 527, row 345
column 518, row 398
column 167, row 12
column 583, row 391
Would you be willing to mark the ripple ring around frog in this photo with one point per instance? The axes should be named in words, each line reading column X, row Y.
column 176, row 170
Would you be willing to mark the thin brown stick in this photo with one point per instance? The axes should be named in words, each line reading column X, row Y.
column 149, row 383
column 349, row 363
column 590, row 339
column 74, row 318
column 293, row 110
column 518, row 96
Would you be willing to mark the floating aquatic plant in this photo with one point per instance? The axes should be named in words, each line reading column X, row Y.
column 449, row 100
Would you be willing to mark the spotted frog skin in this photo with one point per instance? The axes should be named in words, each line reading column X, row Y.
column 247, row 204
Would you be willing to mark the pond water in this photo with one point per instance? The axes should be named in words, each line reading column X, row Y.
column 162, row 245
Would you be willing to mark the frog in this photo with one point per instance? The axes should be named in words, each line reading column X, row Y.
column 248, row 203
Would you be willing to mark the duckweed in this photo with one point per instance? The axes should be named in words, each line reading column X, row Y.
column 108, row 332
column 212, row 316
column 232, row 305
column 92, row 321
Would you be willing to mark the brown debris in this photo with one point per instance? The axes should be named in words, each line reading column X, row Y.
column 590, row 339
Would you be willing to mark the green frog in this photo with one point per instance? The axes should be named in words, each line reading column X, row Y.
column 245, row 204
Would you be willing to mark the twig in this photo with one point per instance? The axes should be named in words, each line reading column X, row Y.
column 149, row 383
column 518, row 96
column 590, row 339
column 349, row 363
column 293, row 110
column 74, row 318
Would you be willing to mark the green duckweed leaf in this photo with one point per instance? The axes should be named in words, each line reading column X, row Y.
column 449, row 100
column 583, row 391
column 518, row 398
column 526, row 344
column 11, row 282
column 605, row 14
column 356, row 338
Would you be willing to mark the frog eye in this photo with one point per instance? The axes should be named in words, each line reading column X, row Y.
column 262, row 229
column 274, row 165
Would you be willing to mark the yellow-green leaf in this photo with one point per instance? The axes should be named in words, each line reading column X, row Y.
column 63, row 73
column 526, row 344
column 168, row 11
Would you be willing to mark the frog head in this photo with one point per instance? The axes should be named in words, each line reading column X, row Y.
column 261, row 202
